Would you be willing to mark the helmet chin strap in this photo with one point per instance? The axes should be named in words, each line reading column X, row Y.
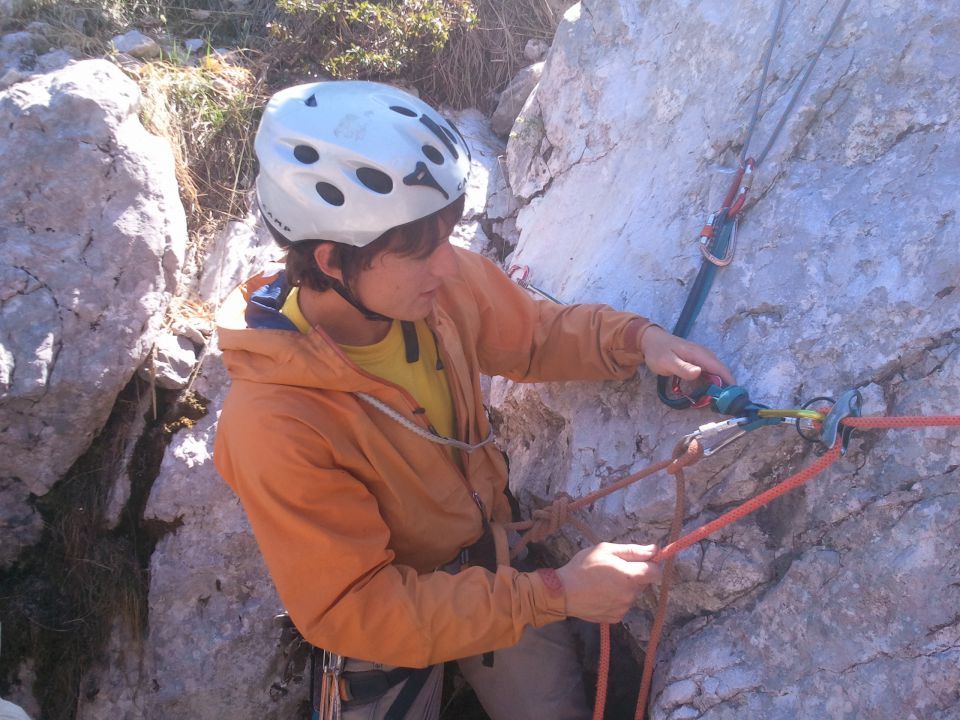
column 410, row 342
column 343, row 291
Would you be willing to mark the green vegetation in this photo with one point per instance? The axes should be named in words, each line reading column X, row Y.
column 363, row 39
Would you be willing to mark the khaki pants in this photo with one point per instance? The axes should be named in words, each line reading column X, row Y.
column 537, row 678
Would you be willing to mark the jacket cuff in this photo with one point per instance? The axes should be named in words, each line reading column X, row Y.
column 549, row 597
column 630, row 353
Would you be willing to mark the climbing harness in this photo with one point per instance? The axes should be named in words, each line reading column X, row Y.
column 717, row 241
column 334, row 686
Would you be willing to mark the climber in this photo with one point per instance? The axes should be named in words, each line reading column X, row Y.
column 355, row 434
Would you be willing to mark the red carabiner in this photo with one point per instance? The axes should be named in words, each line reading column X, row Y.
column 737, row 195
column 524, row 277
column 699, row 397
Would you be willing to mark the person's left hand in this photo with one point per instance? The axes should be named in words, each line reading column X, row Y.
column 667, row 354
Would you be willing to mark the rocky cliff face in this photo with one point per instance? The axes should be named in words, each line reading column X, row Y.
column 841, row 600
column 93, row 237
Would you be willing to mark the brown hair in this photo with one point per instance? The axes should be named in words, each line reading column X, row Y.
column 417, row 239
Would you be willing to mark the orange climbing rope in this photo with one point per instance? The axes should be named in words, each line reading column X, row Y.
column 688, row 452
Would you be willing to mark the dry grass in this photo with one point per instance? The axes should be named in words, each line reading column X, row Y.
column 207, row 113
column 477, row 63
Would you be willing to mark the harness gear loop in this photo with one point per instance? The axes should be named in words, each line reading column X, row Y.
column 325, row 683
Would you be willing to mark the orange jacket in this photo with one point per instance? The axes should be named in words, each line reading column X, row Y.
column 354, row 512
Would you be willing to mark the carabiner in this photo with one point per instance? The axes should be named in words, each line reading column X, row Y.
column 524, row 282
column 706, row 236
column 715, row 428
column 744, row 183
column 700, row 397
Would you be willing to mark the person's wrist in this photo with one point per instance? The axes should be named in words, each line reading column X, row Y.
column 636, row 332
column 553, row 582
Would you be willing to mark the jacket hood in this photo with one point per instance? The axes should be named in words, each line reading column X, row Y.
column 262, row 345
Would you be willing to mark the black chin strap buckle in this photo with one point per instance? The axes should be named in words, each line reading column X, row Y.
column 411, row 344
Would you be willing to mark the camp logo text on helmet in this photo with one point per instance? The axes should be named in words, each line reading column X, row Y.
column 346, row 161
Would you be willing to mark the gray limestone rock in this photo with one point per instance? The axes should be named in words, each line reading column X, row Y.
column 241, row 245
column 489, row 199
column 213, row 649
column 841, row 599
column 535, row 49
column 137, row 44
column 172, row 363
column 513, row 97
column 194, row 45
column 28, row 52
column 93, row 237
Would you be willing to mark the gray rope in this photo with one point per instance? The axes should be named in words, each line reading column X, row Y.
column 414, row 428
column 763, row 81
column 796, row 93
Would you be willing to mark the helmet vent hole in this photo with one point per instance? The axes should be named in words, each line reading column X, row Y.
column 433, row 155
column 403, row 111
column 311, row 101
column 375, row 180
column 330, row 193
column 436, row 130
column 306, row 154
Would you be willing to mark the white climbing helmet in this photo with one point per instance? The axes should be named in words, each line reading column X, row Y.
column 348, row 160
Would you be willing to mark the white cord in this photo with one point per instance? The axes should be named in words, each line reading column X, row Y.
column 413, row 427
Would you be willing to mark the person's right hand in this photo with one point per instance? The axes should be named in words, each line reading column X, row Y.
column 602, row 582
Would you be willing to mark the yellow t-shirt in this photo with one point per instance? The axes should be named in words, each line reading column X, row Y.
column 387, row 359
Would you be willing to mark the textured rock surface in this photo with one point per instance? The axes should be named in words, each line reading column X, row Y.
column 137, row 44
column 513, row 98
column 93, row 235
column 489, row 199
column 28, row 52
column 843, row 599
column 212, row 648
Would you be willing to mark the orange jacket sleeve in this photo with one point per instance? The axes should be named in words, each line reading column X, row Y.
column 323, row 538
column 529, row 340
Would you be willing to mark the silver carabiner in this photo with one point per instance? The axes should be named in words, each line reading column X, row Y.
column 331, row 669
column 716, row 428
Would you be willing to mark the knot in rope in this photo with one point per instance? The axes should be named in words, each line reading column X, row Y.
column 548, row 520
column 687, row 452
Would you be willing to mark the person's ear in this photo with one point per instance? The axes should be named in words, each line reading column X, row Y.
column 323, row 256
